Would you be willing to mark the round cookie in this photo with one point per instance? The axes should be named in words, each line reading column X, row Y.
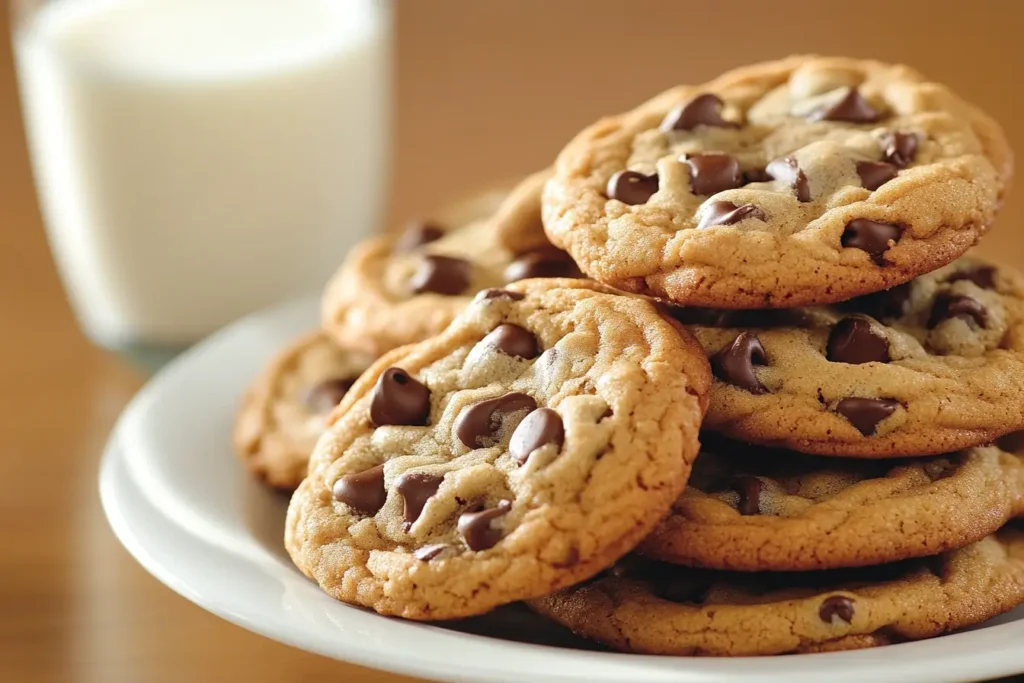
column 929, row 367
column 803, row 181
column 395, row 290
column 285, row 411
column 746, row 508
column 655, row 608
column 527, row 447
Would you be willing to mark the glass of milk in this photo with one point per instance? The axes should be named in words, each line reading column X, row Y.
column 200, row 159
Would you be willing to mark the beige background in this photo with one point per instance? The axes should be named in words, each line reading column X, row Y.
column 486, row 89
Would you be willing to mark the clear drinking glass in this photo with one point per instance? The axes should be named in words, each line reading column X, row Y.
column 196, row 160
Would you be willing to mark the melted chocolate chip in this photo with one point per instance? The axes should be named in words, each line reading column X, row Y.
column 415, row 488
column 735, row 363
column 874, row 174
column 749, row 490
column 494, row 293
column 836, row 606
column 630, row 187
column 949, row 306
column 546, row 262
column 418, row 234
column 322, row 397
column 429, row 552
column 542, row 426
column 866, row 413
column 514, row 341
column 441, row 275
column 363, row 491
column 727, row 213
column 756, row 175
column 702, row 110
column 713, row 173
column 852, row 108
column 983, row 276
column 398, row 399
column 787, row 170
column 899, row 149
column 871, row 237
column 479, row 425
column 476, row 528
column 855, row 341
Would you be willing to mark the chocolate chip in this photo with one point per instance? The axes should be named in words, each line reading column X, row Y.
column 735, row 363
column 889, row 303
column 756, row 175
column 702, row 110
column 836, row 606
column 416, row 488
column 441, row 275
column 852, row 107
column 630, row 187
column 416, row 235
column 727, row 213
column 787, row 170
column 479, row 425
column 983, row 276
column 866, row 413
column 547, row 262
column 364, row 491
column 855, row 341
column 322, row 397
column 476, row 528
column 948, row 306
column 899, row 149
column 494, row 293
column 541, row 427
column 429, row 552
column 514, row 341
column 398, row 399
column 871, row 237
column 749, row 490
column 874, row 174
column 713, row 173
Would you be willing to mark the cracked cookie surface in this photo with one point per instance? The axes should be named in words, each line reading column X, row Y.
column 285, row 410
column 803, row 181
column 527, row 447
column 655, row 608
column 395, row 290
column 746, row 508
column 932, row 366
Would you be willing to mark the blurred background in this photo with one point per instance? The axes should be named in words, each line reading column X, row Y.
column 483, row 92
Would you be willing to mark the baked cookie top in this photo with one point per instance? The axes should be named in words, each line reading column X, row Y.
column 931, row 366
column 395, row 290
column 803, row 181
column 654, row 608
column 285, row 410
column 747, row 508
column 525, row 448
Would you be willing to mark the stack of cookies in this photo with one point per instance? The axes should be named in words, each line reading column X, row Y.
column 722, row 381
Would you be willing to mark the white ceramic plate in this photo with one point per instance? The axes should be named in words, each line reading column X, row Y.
column 183, row 506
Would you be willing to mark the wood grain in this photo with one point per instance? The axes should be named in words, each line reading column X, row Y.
column 485, row 90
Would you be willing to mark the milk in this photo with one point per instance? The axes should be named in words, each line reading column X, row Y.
column 199, row 159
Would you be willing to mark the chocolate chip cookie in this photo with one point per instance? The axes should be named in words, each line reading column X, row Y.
column 531, row 444
column 656, row 608
column 285, row 411
column 750, row 509
column 804, row 181
column 396, row 290
column 932, row 366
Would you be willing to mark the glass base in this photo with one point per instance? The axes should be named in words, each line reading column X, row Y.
column 145, row 357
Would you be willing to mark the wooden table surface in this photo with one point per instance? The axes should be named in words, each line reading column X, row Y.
column 485, row 90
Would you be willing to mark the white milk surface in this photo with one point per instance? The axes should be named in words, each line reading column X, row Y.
column 199, row 159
